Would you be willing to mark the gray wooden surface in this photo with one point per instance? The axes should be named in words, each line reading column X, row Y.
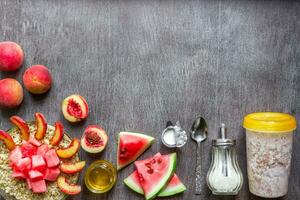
column 141, row 63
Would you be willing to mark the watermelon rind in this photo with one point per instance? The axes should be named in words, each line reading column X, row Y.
column 160, row 185
column 132, row 185
column 167, row 191
column 149, row 139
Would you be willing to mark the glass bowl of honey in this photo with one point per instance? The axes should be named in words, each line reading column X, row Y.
column 100, row 176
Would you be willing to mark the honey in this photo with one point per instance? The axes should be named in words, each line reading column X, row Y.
column 100, row 177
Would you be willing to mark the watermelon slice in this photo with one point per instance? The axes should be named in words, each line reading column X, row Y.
column 131, row 146
column 154, row 173
column 175, row 186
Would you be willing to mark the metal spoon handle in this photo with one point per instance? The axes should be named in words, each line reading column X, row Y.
column 198, row 186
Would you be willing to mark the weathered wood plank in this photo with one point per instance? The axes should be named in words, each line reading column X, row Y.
column 141, row 63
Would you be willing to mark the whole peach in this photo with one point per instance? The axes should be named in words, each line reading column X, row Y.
column 11, row 93
column 37, row 79
column 11, row 56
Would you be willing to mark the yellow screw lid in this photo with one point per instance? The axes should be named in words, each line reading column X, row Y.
column 270, row 122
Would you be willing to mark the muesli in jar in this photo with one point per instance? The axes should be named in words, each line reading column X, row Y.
column 269, row 138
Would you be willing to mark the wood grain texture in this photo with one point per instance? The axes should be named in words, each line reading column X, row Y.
column 141, row 63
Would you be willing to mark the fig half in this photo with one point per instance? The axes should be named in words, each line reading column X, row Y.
column 94, row 139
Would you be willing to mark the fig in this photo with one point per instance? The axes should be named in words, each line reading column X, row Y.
column 94, row 139
column 75, row 108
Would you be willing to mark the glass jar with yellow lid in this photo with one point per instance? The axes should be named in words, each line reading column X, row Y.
column 269, row 138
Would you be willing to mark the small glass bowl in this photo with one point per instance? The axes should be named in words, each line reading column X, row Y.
column 100, row 176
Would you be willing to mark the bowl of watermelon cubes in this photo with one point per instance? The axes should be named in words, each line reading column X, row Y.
column 38, row 161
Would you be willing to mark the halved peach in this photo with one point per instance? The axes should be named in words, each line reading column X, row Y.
column 72, row 168
column 75, row 108
column 41, row 126
column 22, row 125
column 70, row 150
column 94, row 139
column 66, row 187
column 58, row 134
column 7, row 140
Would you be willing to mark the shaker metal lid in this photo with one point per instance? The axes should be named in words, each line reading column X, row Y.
column 223, row 142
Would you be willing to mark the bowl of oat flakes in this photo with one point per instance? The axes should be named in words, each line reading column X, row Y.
column 14, row 188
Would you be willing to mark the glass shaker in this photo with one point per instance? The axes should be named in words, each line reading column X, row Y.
column 224, row 176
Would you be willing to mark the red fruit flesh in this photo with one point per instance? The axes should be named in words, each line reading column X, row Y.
column 74, row 109
column 94, row 139
column 38, row 162
column 15, row 155
column 28, row 149
column 58, row 134
column 19, row 175
column 35, row 175
column 23, row 164
column 131, row 146
column 28, row 183
column 52, row 174
column 41, row 126
column 51, row 158
column 7, row 140
column 39, row 186
column 22, row 125
column 42, row 150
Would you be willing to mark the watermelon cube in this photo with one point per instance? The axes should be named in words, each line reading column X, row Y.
column 42, row 150
column 51, row 158
column 23, row 164
column 38, row 186
column 38, row 162
column 28, row 149
column 28, row 183
column 34, row 142
column 52, row 174
column 15, row 155
column 19, row 175
column 35, row 175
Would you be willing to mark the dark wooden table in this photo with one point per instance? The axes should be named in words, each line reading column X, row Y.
column 141, row 63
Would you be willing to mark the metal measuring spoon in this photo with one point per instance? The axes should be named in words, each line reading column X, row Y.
column 198, row 134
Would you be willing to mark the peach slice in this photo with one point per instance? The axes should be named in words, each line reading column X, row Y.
column 70, row 150
column 7, row 140
column 75, row 108
column 72, row 168
column 41, row 126
column 58, row 134
column 66, row 187
column 21, row 124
